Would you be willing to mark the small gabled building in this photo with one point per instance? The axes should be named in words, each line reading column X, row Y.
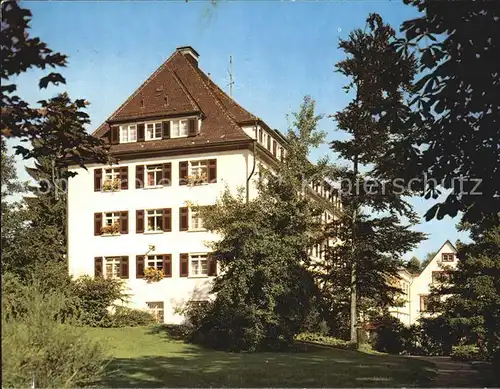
column 416, row 288
column 178, row 140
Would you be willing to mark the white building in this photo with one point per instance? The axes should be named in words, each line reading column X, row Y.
column 178, row 139
column 417, row 287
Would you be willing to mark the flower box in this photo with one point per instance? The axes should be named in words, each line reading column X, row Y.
column 153, row 275
column 197, row 179
column 111, row 185
column 111, row 230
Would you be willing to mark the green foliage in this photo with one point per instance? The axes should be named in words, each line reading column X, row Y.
column 413, row 265
column 323, row 339
column 265, row 292
column 452, row 132
column 376, row 226
column 466, row 352
column 95, row 297
column 38, row 343
column 127, row 317
column 472, row 306
column 391, row 335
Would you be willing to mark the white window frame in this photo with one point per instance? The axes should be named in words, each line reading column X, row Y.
column 176, row 126
column 196, row 270
column 128, row 133
column 115, row 270
column 157, row 309
column 154, row 136
column 155, row 169
column 111, row 173
column 197, row 165
column 155, row 213
column 114, row 217
column 155, row 262
column 195, row 221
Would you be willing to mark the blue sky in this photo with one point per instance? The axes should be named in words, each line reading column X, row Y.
column 281, row 50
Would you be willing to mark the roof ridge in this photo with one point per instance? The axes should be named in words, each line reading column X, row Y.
column 184, row 89
column 217, row 101
column 143, row 85
column 219, row 90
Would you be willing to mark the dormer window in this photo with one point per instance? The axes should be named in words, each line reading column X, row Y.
column 153, row 131
column 178, row 128
column 128, row 133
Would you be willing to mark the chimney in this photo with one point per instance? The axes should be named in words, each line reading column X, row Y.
column 190, row 54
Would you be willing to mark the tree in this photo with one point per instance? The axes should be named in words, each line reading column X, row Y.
column 19, row 120
column 372, row 118
column 413, row 265
column 472, row 306
column 452, row 139
column 264, row 292
column 428, row 259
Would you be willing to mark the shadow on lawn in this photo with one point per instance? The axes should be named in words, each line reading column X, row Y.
column 195, row 367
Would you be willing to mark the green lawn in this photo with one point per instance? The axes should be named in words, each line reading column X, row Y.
column 144, row 359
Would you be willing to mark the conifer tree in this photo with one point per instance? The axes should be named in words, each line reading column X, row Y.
column 372, row 231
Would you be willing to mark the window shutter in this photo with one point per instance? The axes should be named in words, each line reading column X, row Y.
column 124, row 268
column 166, row 130
column 184, row 265
column 115, row 135
column 183, row 219
column 167, row 219
column 193, row 127
column 97, row 223
column 139, row 221
column 124, row 222
column 183, row 172
column 212, row 266
column 140, row 132
column 212, row 171
column 167, row 265
column 167, row 174
column 97, row 180
column 124, row 177
column 139, row 266
column 98, row 267
column 139, row 176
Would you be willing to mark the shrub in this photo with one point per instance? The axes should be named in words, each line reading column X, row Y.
column 323, row 339
column 37, row 345
column 466, row 352
column 94, row 297
column 391, row 336
column 128, row 317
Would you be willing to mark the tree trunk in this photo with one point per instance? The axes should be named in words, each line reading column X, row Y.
column 354, row 315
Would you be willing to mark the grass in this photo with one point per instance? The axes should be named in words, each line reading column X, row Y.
column 145, row 359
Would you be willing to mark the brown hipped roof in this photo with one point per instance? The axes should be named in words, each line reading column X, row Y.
column 178, row 87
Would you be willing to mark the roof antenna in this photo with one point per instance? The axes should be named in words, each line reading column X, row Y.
column 230, row 71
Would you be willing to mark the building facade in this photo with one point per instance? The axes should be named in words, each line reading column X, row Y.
column 178, row 140
column 416, row 288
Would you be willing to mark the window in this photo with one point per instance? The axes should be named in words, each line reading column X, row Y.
column 198, row 168
column 260, row 135
column 154, row 175
column 115, row 267
column 157, row 310
column 128, row 133
column 154, row 220
column 424, row 303
column 153, row 131
column 111, row 218
column 155, row 262
column 178, row 128
column 198, row 265
column 196, row 220
column 111, row 179
column 447, row 257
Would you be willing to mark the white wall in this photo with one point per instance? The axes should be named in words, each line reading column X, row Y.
column 83, row 202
